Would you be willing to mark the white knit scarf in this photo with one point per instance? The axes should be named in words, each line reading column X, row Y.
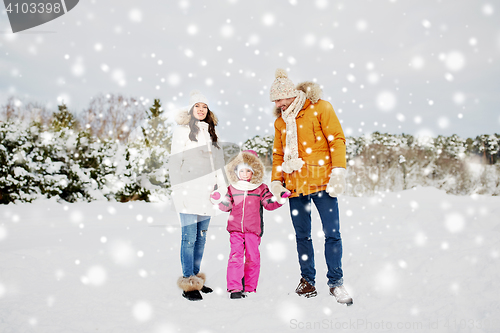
column 292, row 161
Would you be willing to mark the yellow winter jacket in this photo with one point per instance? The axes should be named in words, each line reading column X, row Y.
column 321, row 144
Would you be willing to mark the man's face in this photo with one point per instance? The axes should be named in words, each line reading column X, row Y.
column 284, row 103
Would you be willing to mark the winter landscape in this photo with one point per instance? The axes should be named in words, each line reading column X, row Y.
column 414, row 261
column 90, row 239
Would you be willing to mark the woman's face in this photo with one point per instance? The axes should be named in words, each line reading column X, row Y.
column 200, row 111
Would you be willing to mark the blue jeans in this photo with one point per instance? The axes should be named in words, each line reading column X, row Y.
column 194, row 236
column 328, row 209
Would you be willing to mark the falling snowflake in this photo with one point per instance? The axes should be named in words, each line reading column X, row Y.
column 268, row 19
column 420, row 238
column 417, row 62
column 276, row 251
column 227, row 31
column 142, row 311
column 122, row 253
column 454, row 61
column 192, row 29
column 361, row 25
column 454, row 222
column 3, row 233
column 96, row 276
column 386, row 101
column 135, row 15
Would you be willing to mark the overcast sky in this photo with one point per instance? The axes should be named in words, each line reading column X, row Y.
column 418, row 67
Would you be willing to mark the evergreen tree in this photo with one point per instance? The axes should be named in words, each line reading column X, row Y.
column 64, row 119
column 154, row 148
column 155, row 132
column 263, row 146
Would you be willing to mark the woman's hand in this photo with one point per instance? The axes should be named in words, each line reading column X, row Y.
column 217, row 196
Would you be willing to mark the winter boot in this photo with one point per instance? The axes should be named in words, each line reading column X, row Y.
column 341, row 295
column 193, row 295
column 204, row 289
column 306, row 289
column 237, row 295
column 191, row 287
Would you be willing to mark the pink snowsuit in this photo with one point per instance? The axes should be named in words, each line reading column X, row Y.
column 246, row 226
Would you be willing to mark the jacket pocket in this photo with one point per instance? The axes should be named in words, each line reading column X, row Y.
column 318, row 174
column 297, row 181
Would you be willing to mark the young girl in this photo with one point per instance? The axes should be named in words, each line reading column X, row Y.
column 245, row 198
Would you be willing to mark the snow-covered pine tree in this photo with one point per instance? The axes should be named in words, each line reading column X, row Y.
column 491, row 147
column 15, row 178
column 147, row 158
column 487, row 146
column 157, row 140
column 155, row 131
column 263, row 146
column 64, row 119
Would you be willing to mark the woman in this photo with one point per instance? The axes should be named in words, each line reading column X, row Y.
column 195, row 171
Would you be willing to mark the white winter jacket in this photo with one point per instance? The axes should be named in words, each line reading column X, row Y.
column 194, row 168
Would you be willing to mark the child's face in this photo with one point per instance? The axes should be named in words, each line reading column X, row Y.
column 245, row 174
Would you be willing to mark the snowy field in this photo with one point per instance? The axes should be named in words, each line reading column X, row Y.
column 414, row 261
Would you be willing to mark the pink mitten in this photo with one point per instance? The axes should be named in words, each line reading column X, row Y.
column 285, row 195
column 216, row 197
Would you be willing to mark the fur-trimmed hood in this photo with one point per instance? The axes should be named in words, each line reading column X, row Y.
column 250, row 159
column 182, row 117
column 312, row 90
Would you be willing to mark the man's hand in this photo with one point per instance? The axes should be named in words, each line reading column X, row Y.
column 279, row 192
column 337, row 184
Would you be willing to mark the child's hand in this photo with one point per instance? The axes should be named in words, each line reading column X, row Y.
column 286, row 194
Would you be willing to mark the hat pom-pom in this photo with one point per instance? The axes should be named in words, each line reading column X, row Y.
column 195, row 92
column 280, row 72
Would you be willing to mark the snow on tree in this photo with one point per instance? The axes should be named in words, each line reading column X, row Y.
column 72, row 164
column 263, row 146
column 156, row 131
column 148, row 156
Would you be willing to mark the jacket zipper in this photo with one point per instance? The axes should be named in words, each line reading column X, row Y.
column 243, row 214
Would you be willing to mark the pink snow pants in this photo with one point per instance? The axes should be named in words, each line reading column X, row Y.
column 244, row 261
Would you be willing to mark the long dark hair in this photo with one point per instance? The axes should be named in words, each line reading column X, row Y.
column 210, row 120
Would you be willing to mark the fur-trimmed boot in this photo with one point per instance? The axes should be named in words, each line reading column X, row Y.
column 204, row 289
column 191, row 287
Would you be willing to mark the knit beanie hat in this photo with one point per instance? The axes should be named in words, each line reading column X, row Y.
column 251, row 151
column 282, row 87
column 242, row 166
column 196, row 97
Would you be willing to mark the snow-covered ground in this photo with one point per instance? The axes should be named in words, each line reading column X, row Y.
column 418, row 260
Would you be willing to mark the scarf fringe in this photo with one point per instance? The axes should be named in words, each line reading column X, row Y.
column 291, row 160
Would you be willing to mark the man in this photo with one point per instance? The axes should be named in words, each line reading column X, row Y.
column 309, row 161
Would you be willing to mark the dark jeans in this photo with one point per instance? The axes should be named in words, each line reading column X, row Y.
column 300, row 209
